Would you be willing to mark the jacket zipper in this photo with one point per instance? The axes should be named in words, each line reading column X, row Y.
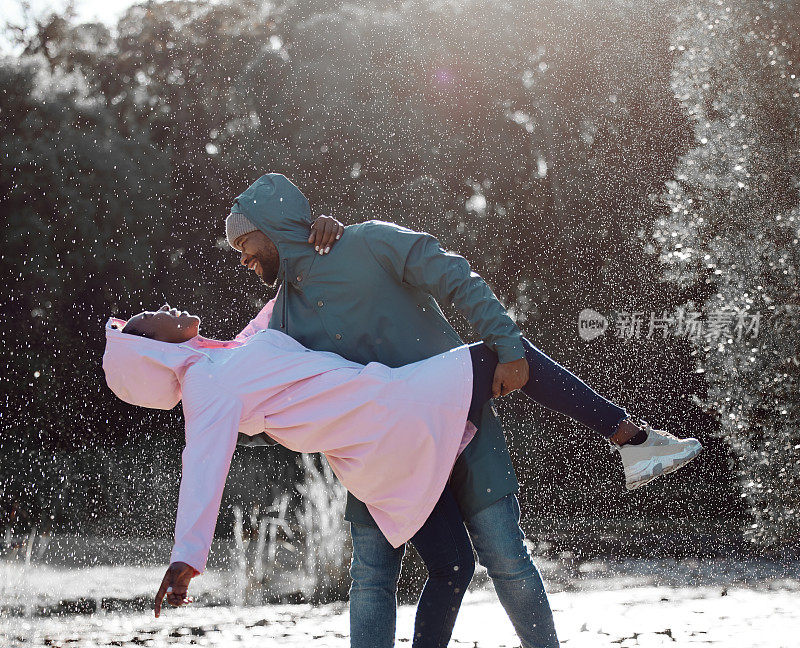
column 285, row 295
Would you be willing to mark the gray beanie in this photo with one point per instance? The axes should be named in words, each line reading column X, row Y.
column 237, row 225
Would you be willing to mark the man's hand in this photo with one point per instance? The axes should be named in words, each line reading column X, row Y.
column 509, row 376
column 175, row 585
column 324, row 232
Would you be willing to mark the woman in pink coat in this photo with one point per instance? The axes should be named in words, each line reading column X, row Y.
column 391, row 435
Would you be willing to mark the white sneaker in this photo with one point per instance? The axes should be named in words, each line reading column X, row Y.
column 660, row 454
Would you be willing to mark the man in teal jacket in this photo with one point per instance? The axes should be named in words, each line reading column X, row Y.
column 374, row 297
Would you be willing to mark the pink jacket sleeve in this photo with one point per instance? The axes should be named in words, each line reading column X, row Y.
column 211, row 435
column 259, row 322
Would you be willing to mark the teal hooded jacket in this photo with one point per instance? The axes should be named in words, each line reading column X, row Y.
column 374, row 297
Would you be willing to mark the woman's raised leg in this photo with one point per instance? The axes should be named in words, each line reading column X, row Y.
column 646, row 453
column 550, row 385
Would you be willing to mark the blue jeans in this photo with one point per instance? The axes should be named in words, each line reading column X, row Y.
column 498, row 541
column 495, row 531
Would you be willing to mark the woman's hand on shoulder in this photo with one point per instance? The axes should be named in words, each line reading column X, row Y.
column 325, row 231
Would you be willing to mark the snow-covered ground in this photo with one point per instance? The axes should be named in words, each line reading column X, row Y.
column 43, row 588
column 649, row 616
column 735, row 603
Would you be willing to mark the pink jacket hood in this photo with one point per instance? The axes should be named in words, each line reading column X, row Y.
column 145, row 372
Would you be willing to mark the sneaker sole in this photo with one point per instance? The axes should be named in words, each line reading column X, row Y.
column 659, row 470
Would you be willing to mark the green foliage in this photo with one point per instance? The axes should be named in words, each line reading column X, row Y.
column 528, row 137
column 83, row 208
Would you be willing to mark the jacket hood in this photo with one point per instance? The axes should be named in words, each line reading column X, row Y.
column 275, row 205
column 145, row 372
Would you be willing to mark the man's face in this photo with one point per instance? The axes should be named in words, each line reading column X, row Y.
column 260, row 255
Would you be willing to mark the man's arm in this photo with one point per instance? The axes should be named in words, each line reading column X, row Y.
column 418, row 259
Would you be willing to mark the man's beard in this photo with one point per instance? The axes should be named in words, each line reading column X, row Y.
column 269, row 270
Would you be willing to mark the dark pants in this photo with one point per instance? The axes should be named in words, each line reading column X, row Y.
column 444, row 546
column 550, row 385
column 442, row 541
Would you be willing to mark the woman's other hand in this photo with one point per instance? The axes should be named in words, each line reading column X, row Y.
column 325, row 231
column 175, row 585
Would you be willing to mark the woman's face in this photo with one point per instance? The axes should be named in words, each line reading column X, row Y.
column 166, row 324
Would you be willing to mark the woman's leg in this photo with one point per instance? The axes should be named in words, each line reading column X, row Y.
column 444, row 546
column 549, row 384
